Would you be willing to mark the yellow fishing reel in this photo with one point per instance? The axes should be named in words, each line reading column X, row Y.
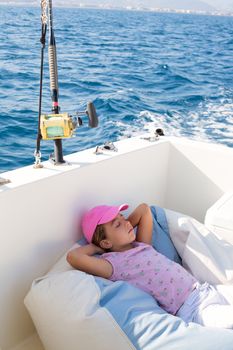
column 63, row 125
column 57, row 126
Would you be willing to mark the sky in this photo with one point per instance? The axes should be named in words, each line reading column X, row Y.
column 219, row 4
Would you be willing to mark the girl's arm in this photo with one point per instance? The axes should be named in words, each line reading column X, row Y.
column 81, row 258
column 142, row 218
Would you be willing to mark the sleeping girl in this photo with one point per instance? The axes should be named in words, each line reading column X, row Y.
column 128, row 256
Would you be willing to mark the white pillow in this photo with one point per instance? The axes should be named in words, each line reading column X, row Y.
column 64, row 306
column 208, row 257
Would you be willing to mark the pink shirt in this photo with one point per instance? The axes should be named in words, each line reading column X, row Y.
column 142, row 266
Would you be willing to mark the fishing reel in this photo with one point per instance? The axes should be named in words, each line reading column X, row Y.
column 61, row 126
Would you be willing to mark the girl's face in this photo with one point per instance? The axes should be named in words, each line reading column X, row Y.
column 119, row 234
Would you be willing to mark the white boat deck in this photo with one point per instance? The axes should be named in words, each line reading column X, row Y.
column 37, row 208
column 28, row 174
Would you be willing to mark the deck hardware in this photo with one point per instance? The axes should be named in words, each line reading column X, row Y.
column 159, row 132
column 152, row 138
column 98, row 150
column 109, row 146
column 4, row 181
column 38, row 164
column 52, row 160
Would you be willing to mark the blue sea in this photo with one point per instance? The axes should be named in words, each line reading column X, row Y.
column 142, row 70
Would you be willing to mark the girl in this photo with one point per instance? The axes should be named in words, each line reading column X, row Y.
column 130, row 257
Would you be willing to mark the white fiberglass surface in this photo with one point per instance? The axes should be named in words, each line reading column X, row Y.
column 40, row 219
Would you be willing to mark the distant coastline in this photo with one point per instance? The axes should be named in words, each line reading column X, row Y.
column 127, row 8
column 160, row 10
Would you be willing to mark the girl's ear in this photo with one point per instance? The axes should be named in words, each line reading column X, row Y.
column 105, row 244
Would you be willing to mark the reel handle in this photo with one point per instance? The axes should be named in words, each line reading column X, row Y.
column 92, row 115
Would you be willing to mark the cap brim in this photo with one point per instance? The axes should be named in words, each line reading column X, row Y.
column 112, row 213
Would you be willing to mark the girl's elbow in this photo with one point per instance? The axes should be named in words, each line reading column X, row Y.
column 145, row 206
column 70, row 258
column 77, row 261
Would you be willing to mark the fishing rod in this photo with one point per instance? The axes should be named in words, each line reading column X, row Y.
column 56, row 126
column 52, row 55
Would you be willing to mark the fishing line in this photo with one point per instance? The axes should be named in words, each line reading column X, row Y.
column 37, row 153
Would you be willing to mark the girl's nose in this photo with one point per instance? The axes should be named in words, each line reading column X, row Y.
column 128, row 223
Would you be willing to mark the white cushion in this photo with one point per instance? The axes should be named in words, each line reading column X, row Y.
column 64, row 308
column 206, row 255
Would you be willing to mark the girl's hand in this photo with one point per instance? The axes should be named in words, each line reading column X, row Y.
column 96, row 249
column 88, row 249
column 142, row 218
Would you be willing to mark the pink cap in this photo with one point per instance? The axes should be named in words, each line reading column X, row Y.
column 99, row 215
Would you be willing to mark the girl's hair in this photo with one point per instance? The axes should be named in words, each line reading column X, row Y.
column 98, row 235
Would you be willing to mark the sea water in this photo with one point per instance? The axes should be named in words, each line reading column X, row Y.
column 142, row 70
